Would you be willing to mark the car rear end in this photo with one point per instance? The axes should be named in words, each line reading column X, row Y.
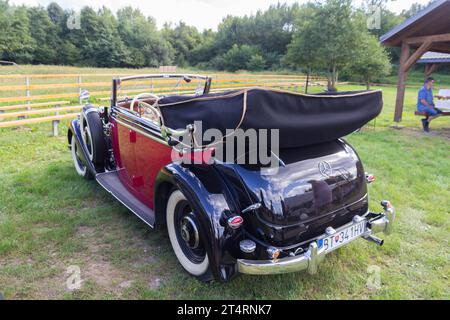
column 315, row 202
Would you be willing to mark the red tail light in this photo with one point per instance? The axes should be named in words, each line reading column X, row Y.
column 235, row 222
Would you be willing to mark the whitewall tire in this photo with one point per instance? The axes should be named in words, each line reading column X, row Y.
column 185, row 237
column 80, row 167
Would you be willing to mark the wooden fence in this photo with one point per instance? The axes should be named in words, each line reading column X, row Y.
column 34, row 98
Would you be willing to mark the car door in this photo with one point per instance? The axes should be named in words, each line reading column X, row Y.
column 151, row 154
column 124, row 147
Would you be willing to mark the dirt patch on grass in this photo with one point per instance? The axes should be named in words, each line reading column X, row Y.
column 99, row 266
column 418, row 132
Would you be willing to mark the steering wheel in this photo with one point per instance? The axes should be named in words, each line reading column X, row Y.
column 146, row 106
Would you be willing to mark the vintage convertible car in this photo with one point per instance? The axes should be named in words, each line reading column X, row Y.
column 225, row 217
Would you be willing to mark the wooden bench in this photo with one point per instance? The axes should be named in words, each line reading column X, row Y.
column 417, row 113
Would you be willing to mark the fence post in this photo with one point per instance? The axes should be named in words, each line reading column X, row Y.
column 55, row 124
column 27, row 82
column 27, row 93
column 79, row 87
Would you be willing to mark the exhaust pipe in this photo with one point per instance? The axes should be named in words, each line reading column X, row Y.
column 374, row 239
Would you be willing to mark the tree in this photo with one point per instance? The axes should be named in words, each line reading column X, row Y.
column 256, row 62
column 270, row 31
column 414, row 9
column 16, row 42
column 239, row 57
column 388, row 20
column 205, row 51
column 370, row 60
column 4, row 25
column 325, row 39
column 183, row 39
column 45, row 34
column 145, row 45
column 55, row 13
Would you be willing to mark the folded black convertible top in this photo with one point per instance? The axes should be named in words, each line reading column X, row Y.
column 302, row 119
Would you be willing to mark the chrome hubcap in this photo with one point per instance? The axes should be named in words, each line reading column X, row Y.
column 189, row 232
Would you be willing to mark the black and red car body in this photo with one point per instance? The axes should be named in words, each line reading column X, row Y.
column 225, row 218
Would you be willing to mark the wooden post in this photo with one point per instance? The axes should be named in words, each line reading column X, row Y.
column 406, row 62
column 430, row 68
column 416, row 55
column 307, row 81
column 402, row 75
column 55, row 124
column 27, row 81
column 79, row 88
column 27, row 93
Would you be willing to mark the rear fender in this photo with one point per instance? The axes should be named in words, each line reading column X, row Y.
column 209, row 203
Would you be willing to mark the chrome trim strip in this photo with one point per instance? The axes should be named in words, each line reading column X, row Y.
column 163, row 76
column 141, row 132
column 133, row 118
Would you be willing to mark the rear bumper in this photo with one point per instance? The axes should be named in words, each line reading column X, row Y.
column 310, row 260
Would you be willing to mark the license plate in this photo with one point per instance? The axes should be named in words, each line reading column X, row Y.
column 342, row 236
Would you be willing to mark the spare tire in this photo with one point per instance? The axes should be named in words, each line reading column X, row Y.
column 91, row 127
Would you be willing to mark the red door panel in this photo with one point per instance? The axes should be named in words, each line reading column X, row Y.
column 139, row 160
column 124, row 154
column 151, row 157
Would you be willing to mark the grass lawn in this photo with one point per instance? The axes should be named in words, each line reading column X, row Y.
column 52, row 220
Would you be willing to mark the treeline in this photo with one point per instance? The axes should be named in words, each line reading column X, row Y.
column 328, row 36
column 128, row 38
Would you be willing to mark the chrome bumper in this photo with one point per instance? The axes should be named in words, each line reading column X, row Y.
column 310, row 260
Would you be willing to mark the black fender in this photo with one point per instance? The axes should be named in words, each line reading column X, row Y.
column 211, row 202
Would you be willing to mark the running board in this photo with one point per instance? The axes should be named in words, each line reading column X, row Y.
column 111, row 182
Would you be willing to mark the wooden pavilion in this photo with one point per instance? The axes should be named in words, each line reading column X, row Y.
column 432, row 60
column 428, row 30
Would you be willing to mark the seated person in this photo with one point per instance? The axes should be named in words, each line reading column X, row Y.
column 425, row 103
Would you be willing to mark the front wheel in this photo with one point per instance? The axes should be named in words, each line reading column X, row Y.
column 186, row 238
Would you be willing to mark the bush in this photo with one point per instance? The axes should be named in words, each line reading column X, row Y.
column 256, row 63
column 239, row 57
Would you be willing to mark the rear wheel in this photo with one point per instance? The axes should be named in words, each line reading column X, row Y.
column 186, row 238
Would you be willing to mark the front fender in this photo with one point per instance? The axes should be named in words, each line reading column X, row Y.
column 209, row 200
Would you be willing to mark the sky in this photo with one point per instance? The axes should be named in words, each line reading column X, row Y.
column 204, row 14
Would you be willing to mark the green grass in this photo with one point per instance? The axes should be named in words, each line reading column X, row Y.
column 51, row 219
